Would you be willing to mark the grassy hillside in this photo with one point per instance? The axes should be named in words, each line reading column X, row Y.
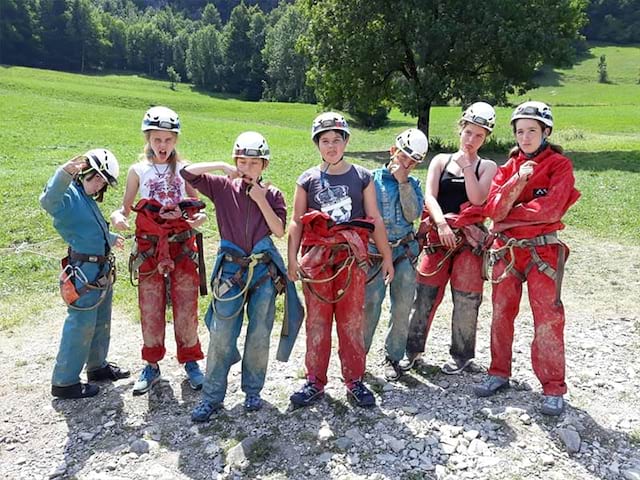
column 52, row 116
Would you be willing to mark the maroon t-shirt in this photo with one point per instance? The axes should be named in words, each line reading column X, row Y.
column 239, row 219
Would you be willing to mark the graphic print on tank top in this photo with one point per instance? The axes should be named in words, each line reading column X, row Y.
column 165, row 190
column 334, row 200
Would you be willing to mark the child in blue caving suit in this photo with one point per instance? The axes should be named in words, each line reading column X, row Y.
column 88, row 271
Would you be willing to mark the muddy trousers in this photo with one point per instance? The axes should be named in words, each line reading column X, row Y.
column 225, row 324
column 547, row 348
column 152, row 300
column 349, row 315
column 464, row 271
column 85, row 335
column 401, row 296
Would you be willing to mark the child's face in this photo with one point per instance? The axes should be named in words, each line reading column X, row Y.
column 529, row 134
column 163, row 144
column 332, row 146
column 93, row 184
column 472, row 137
column 250, row 167
column 403, row 159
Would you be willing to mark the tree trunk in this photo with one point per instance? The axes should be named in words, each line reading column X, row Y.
column 424, row 112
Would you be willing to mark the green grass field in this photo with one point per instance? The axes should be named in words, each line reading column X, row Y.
column 53, row 116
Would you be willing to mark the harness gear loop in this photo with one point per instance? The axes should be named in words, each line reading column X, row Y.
column 307, row 281
column 220, row 287
column 70, row 273
column 493, row 256
column 431, row 248
column 376, row 258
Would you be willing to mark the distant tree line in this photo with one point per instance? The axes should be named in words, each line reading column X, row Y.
column 615, row 21
column 361, row 56
column 249, row 53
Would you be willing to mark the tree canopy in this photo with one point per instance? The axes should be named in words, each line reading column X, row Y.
column 414, row 54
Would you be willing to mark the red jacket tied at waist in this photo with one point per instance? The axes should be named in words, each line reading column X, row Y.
column 540, row 206
column 149, row 222
column 466, row 221
column 320, row 233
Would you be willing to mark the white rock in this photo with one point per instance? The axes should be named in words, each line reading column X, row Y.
column 325, row 433
column 86, row 436
column 471, row 434
column 238, row 455
column 547, row 460
column 58, row 471
column 631, row 473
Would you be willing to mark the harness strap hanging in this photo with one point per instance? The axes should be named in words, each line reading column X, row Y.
column 407, row 254
column 431, row 248
column 308, row 282
column 492, row 256
column 248, row 265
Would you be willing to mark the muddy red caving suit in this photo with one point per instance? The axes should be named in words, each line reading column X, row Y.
column 462, row 266
column 165, row 257
column 525, row 225
column 333, row 268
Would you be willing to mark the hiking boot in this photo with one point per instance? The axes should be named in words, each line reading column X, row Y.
column 453, row 367
column 392, row 370
column 360, row 394
column 79, row 390
column 308, row 394
column 252, row 403
column 552, row 405
column 196, row 378
column 202, row 413
column 148, row 378
column 110, row 371
column 491, row 386
column 409, row 361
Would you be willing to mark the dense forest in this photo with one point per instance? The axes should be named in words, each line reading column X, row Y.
column 256, row 49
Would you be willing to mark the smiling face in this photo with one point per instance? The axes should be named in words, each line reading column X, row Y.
column 332, row 146
column 250, row 167
column 472, row 137
column 529, row 134
column 162, row 144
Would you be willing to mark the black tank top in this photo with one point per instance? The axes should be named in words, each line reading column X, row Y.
column 451, row 190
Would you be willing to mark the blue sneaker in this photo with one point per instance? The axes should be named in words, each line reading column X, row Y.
column 492, row 385
column 552, row 405
column 196, row 378
column 360, row 394
column 308, row 394
column 252, row 403
column 202, row 413
column 148, row 378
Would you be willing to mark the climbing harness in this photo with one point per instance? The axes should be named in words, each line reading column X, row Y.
column 376, row 258
column 73, row 273
column 220, row 287
column 493, row 255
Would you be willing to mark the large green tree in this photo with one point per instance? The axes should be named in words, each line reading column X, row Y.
column 417, row 53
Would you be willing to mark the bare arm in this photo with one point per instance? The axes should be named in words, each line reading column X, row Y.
column 379, row 234
column 295, row 232
column 119, row 217
column 205, row 167
column 258, row 193
column 478, row 188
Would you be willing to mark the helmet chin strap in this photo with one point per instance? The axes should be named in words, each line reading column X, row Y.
column 542, row 146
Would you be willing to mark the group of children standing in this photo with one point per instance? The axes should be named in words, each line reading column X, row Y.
column 350, row 237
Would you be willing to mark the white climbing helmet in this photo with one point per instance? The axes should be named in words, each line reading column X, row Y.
column 329, row 121
column 481, row 114
column 251, row 144
column 535, row 110
column 104, row 163
column 161, row 118
column 414, row 143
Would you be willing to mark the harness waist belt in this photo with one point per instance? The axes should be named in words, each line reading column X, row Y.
column 82, row 257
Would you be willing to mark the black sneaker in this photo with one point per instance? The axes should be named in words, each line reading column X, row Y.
column 360, row 394
column 392, row 370
column 307, row 395
column 79, row 390
column 109, row 372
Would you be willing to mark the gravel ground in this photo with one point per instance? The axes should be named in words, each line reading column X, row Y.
column 427, row 425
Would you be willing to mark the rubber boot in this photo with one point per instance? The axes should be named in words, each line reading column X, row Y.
column 464, row 323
